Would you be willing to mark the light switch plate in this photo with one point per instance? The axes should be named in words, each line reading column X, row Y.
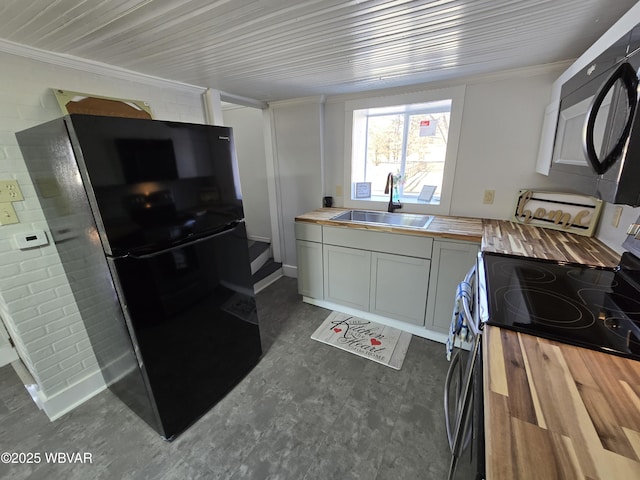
column 488, row 197
column 8, row 214
column 10, row 191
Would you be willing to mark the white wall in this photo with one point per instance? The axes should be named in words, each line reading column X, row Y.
column 499, row 138
column 298, row 161
column 501, row 129
column 248, row 131
column 35, row 299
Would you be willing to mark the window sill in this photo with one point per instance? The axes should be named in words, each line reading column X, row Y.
column 403, row 200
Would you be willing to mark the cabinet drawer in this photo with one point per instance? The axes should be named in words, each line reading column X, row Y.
column 410, row 245
column 308, row 231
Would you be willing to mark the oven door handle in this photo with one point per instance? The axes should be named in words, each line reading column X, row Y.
column 448, row 420
column 627, row 75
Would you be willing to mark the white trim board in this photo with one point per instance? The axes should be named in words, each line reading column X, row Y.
column 258, row 238
column 57, row 405
column 8, row 354
column 63, row 402
column 91, row 66
column 290, row 271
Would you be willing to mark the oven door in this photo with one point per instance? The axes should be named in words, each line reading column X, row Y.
column 463, row 405
column 464, row 414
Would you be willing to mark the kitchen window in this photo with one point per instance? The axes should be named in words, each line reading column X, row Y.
column 414, row 138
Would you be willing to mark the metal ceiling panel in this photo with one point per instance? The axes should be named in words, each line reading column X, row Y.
column 280, row 49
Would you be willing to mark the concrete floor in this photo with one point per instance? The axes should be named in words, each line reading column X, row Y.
column 308, row 411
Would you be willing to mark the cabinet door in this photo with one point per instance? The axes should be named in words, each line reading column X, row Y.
column 346, row 276
column 450, row 263
column 310, row 279
column 399, row 287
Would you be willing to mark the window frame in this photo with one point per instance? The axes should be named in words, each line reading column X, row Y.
column 352, row 149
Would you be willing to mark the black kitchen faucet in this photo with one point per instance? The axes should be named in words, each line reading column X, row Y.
column 389, row 189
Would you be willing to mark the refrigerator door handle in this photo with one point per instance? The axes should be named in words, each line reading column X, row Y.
column 228, row 228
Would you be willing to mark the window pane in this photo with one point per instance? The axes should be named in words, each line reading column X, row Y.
column 406, row 135
column 426, row 152
column 384, row 149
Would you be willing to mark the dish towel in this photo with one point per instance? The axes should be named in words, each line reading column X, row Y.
column 459, row 328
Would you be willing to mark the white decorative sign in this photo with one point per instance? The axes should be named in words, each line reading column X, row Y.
column 560, row 211
column 428, row 128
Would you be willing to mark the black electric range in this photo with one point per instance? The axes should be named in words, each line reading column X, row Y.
column 591, row 307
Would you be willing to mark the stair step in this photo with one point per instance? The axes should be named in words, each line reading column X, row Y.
column 267, row 269
column 259, row 254
column 269, row 273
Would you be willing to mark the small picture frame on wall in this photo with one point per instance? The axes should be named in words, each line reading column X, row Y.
column 426, row 194
column 362, row 189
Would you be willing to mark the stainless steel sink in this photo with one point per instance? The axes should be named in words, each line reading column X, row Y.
column 397, row 219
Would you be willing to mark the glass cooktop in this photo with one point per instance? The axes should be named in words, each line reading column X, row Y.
column 590, row 307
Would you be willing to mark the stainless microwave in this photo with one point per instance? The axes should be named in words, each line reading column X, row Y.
column 597, row 142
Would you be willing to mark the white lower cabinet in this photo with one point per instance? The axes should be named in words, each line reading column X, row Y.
column 377, row 272
column 399, row 287
column 450, row 262
column 408, row 278
column 346, row 276
column 310, row 278
column 309, row 259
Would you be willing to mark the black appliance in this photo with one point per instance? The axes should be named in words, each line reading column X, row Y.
column 591, row 307
column 147, row 219
column 463, row 395
column 597, row 140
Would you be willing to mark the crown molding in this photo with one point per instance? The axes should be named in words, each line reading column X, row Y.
column 240, row 101
column 529, row 71
column 91, row 66
column 316, row 99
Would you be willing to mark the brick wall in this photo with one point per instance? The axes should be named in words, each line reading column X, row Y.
column 36, row 301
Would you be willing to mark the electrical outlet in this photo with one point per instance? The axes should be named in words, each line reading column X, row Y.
column 489, row 196
column 10, row 191
column 7, row 214
column 615, row 221
column 338, row 190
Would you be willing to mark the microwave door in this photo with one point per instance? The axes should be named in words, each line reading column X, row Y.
column 568, row 150
column 609, row 119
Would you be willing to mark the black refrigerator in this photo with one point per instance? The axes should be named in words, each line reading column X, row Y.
column 147, row 219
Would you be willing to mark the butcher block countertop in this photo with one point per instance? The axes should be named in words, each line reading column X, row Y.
column 497, row 236
column 455, row 228
column 513, row 238
column 555, row 411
